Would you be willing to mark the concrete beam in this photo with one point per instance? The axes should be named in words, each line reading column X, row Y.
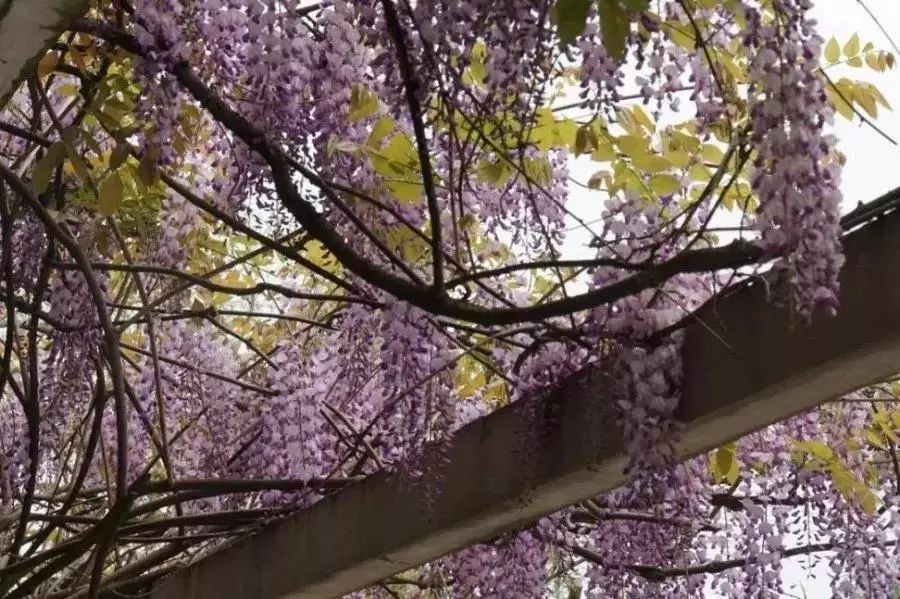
column 27, row 28
column 499, row 477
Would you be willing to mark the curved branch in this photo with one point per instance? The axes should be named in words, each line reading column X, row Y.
column 731, row 256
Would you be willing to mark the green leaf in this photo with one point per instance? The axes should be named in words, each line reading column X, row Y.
column 110, row 195
column 43, row 170
column 397, row 158
column 119, row 155
column 570, row 17
column 538, row 170
column 496, row 173
column 614, row 25
column 476, row 72
column 147, row 168
column 70, row 137
column 832, row 51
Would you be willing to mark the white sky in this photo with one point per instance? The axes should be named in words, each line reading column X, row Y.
column 872, row 168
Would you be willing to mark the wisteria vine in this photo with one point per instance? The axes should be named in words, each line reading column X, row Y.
column 329, row 235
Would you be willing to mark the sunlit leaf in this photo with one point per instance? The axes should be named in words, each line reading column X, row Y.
column 381, row 129
column 363, row 103
column 832, row 51
column 664, row 184
column 851, row 48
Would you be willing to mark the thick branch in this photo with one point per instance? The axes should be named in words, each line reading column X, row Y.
column 731, row 256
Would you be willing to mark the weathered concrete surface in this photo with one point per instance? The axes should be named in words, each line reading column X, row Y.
column 27, row 28
column 498, row 478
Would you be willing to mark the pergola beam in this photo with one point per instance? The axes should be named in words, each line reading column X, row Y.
column 749, row 364
column 27, row 28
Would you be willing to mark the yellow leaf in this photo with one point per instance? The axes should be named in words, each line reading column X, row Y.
column 566, row 131
column 664, row 185
column 650, row 163
column 844, row 482
column 406, row 191
column 70, row 137
column 643, row 118
column 866, row 99
column 879, row 97
column 724, row 457
column 47, row 64
column 476, row 73
column 832, row 51
column 604, row 152
column 851, row 48
column 363, row 103
column 539, row 170
column 67, row 89
column 817, row 449
column 874, row 62
column 382, row 128
column 699, row 172
column 678, row 32
column 869, row 502
column 110, row 195
column 678, row 158
column 473, row 385
column 712, row 153
column 855, row 62
column 840, row 104
column 632, row 145
column 874, row 439
column 497, row 173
